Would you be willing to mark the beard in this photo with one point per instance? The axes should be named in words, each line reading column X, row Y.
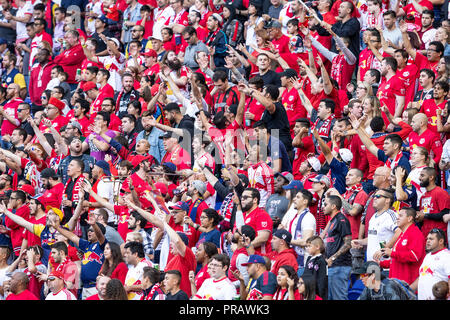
column 247, row 207
column 174, row 65
column 424, row 184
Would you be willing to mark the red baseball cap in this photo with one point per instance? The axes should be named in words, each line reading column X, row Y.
column 27, row 188
column 89, row 85
column 150, row 53
column 56, row 274
column 138, row 159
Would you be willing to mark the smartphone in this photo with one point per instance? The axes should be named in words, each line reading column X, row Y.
column 382, row 244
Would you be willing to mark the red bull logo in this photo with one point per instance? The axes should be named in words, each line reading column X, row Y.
column 426, row 271
column 92, row 257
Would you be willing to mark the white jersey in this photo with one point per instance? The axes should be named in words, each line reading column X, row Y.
column 63, row 294
column 381, row 229
column 435, row 267
column 217, row 290
column 134, row 277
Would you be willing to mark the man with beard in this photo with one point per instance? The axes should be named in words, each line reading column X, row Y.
column 256, row 217
column 75, row 152
column 138, row 179
column 40, row 76
column 37, row 216
column 177, row 71
column 439, row 101
column 9, row 110
column 162, row 16
column 137, row 223
column 126, row 95
column 195, row 191
column 177, row 120
column 434, row 203
column 53, row 187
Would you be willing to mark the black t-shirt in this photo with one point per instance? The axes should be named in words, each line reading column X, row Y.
column 180, row 295
column 271, row 77
column 279, row 120
column 334, row 240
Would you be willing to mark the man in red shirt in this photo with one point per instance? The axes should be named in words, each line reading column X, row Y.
column 415, row 9
column 39, row 27
column 429, row 106
column 408, row 251
column 258, row 219
column 151, row 62
column 283, row 253
column 303, row 145
column 291, row 99
column 9, row 110
column 40, row 76
column 421, row 136
column 53, row 187
column 391, row 91
column 71, row 58
column 53, row 112
column 279, row 40
column 175, row 153
column 434, row 204
column 17, row 288
column 407, row 72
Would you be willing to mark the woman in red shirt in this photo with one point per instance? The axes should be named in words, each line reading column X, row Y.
column 286, row 278
column 306, row 289
column 114, row 267
column 203, row 255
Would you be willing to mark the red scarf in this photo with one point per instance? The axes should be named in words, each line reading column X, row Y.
column 211, row 37
column 393, row 163
column 75, row 198
column 325, row 128
column 352, row 192
column 337, row 67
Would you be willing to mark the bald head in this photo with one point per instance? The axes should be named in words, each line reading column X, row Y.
column 419, row 122
column 19, row 282
column 381, row 177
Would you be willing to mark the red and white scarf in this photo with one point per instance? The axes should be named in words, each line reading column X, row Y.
column 393, row 163
column 325, row 128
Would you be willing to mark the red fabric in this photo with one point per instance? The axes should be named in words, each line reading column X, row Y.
column 40, row 76
column 387, row 93
column 286, row 257
column 184, row 265
column 71, row 60
column 435, row 201
column 24, row 295
column 120, row 272
column 11, row 109
column 16, row 233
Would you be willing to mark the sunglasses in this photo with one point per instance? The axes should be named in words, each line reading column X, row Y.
column 378, row 196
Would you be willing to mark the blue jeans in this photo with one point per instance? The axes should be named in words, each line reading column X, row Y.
column 338, row 282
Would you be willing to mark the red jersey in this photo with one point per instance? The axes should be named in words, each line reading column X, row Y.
column 429, row 107
column 281, row 44
column 256, row 108
column 293, row 105
column 411, row 10
column 407, row 255
column 429, row 140
column 123, row 213
column 260, row 220
column 71, row 60
column 387, row 93
column 300, row 155
column 178, row 156
column 11, row 109
column 184, row 265
column 433, row 202
column 53, row 196
column 409, row 76
column 422, row 62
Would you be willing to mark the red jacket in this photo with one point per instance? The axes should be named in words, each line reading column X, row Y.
column 71, row 60
column 39, row 78
column 407, row 255
column 285, row 257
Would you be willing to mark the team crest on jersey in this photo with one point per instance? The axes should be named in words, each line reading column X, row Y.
column 406, row 73
column 291, row 98
column 264, row 224
column 422, row 141
column 387, row 86
column 404, row 242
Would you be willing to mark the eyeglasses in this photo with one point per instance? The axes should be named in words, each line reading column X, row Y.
column 214, row 265
column 106, row 105
column 203, row 217
column 90, row 230
column 377, row 196
column 432, row 50
column 246, row 197
column 43, row 98
column 301, row 283
column 187, row 38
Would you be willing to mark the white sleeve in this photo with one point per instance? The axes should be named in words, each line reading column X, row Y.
column 309, row 223
column 241, row 259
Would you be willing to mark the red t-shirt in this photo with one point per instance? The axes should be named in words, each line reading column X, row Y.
column 422, row 62
column 387, row 93
column 293, row 105
column 24, row 295
column 184, row 265
column 434, row 201
column 355, row 221
column 409, row 76
column 429, row 107
column 260, row 220
column 122, row 212
column 301, row 155
column 429, row 140
column 53, row 196
column 11, row 109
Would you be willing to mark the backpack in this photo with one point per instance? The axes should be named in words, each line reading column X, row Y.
column 403, row 289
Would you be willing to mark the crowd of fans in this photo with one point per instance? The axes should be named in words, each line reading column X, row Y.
column 202, row 149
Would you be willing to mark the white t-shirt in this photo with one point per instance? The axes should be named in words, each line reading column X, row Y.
column 3, row 278
column 63, row 294
column 106, row 191
column 21, row 28
column 435, row 267
column 381, row 228
column 113, row 65
column 217, row 289
column 308, row 223
column 161, row 18
column 134, row 277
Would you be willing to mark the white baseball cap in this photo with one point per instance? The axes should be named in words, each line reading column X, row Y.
column 346, row 155
column 314, row 163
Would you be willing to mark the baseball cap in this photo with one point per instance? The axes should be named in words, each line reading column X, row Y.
column 314, row 163
column 57, row 103
column 346, row 155
column 48, row 173
column 117, row 42
column 156, row 37
column 77, row 125
column 286, row 175
column 89, row 85
column 55, row 274
column 28, row 188
column 254, row 258
column 138, row 159
column 150, row 53
column 104, row 166
column 289, row 73
column 167, row 135
column 322, row 179
column 58, row 212
column 274, row 24
column 161, row 186
column 200, row 186
column 103, row 19
column 180, row 205
column 283, row 234
column 217, row 17
column 171, row 166
column 295, row 184
column 368, row 267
